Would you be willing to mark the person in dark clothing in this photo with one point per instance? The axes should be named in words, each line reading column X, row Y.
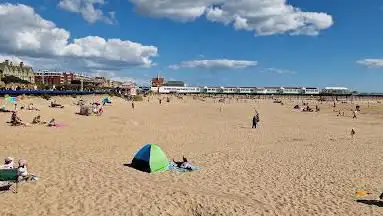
column 255, row 121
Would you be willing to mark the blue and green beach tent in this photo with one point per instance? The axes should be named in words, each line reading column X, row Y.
column 106, row 100
column 150, row 158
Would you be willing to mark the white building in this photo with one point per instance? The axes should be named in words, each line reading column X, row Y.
column 336, row 90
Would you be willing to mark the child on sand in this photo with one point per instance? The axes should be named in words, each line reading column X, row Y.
column 22, row 171
column 52, row 123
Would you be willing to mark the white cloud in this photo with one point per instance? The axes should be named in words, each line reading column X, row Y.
column 264, row 17
column 215, row 64
column 25, row 34
column 15, row 60
column 89, row 10
column 372, row 63
column 278, row 71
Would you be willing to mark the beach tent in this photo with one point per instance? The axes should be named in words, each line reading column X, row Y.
column 150, row 158
column 106, row 101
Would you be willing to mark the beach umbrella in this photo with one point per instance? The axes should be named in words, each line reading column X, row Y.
column 150, row 158
column 11, row 99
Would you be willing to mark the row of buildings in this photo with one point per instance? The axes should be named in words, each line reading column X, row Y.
column 26, row 73
column 161, row 86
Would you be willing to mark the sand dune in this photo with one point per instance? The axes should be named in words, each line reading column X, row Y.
column 293, row 164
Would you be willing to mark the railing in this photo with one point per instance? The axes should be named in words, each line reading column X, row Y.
column 49, row 92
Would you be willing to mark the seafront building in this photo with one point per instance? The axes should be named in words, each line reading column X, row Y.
column 67, row 78
column 160, row 85
column 8, row 68
column 54, row 78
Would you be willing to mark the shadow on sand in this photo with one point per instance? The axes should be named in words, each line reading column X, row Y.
column 5, row 188
column 135, row 168
column 371, row 202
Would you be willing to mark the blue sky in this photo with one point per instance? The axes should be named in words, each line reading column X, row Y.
column 204, row 42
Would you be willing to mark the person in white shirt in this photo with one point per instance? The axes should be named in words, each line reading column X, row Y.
column 22, row 170
column 8, row 163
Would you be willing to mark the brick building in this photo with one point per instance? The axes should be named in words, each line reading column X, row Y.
column 54, row 78
column 158, row 81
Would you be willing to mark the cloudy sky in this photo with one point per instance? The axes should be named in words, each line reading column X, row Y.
column 203, row 42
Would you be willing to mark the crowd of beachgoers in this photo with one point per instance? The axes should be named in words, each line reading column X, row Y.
column 192, row 126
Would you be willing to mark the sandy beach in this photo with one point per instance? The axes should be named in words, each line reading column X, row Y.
column 294, row 163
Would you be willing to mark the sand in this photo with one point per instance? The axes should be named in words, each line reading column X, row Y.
column 294, row 164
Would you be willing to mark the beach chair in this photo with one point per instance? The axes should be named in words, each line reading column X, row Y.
column 9, row 176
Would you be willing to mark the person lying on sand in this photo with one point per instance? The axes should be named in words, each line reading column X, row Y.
column 56, row 105
column 52, row 123
column 183, row 164
column 8, row 163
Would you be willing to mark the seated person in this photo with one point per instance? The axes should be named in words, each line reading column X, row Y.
column 31, row 107
column 15, row 120
column 95, row 109
column 52, row 123
column 8, row 163
column 37, row 120
column 22, row 171
column 183, row 164
column 100, row 111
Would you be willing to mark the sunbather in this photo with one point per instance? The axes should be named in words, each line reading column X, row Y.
column 183, row 164
column 52, row 123
column 8, row 163
column 56, row 105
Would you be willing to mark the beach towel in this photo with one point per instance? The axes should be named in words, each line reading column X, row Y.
column 173, row 166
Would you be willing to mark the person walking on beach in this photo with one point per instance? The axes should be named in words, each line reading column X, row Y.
column 255, row 121
column 354, row 116
column 133, row 106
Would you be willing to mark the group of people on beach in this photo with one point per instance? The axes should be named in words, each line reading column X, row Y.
column 17, row 121
column 22, row 168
